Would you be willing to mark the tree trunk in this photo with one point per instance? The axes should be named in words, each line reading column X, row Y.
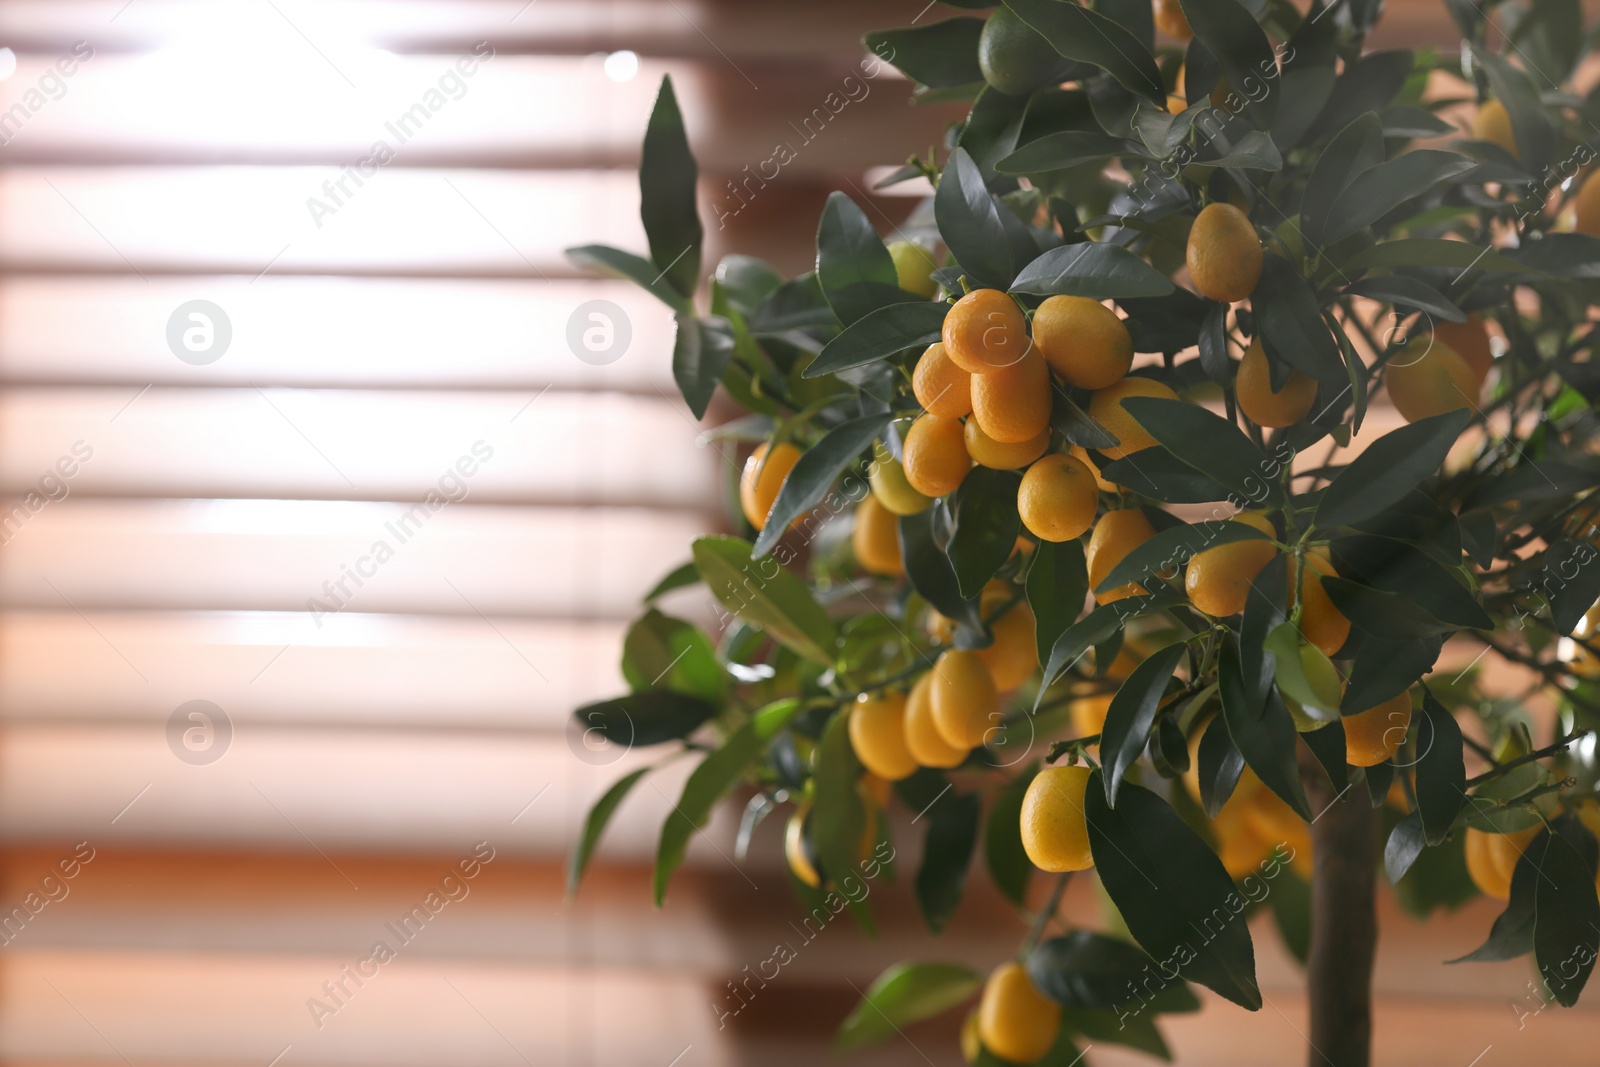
column 1344, row 925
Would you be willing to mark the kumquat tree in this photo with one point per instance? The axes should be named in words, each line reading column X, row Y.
column 1198, row 492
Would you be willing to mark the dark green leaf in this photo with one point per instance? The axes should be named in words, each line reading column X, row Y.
column 797, row 304
column 969, row 221
column 710, row 781
column 1207, row 442
column 1569, row 582
column 1308, row 75
column 1058, row 580
column 943, row 55
column 853, row 266
column 1221, row 764
column 1327, row 744
column 1387, row 668
column 698, row 363
column 1566, row 912
column 1292, row 329
column 680, row 577
column 986, row 527
column 1388, row 616
column 1092, row 269
column 667, row 176
column 1432, row 252
column 946, row 855
column 660, row 651
column 1441, row 774
column 1007, row 860
column 1174, row 546
column 1085, row 969
column 1135, row 1031
column 1356, row 147
column 1063, row 149
column 1231, row 34
column 1389, row 468
column 649, row 717
column 1572, row 255
column 1090, row 37
column 1172, row 891
column 1367, row 84
column 1264, row 736
column 1512, row 933
column 1406, row 292
column 1265, row 610
column 904, row 994
column 1132, row 713
column 764, row 594
column 1076, row 426
column 1095, row 627
column 634, row 268
column 1378, row 190
column 1160, row 475
column 930, row 570
column 594, row 824
column 1393, row 567
column 815, row 472
column 1405, row 844
column 880, row 334
column 1213, row 341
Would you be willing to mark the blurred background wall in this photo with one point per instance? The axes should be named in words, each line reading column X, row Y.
column 317, row 524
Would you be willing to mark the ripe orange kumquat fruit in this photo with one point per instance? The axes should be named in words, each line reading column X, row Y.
column 941, row 387
column 1014, row 655
column 1015, row 1021
column 1492, row 859
column 762, row 478
column 1470, row 341
column 988, row 452
column 1055, row 830
column 923, row 739
column 985, row 331
column 1012, row 404
column 1586, row 214
column 936, row 460
column 1083, row 341
column 1224, row 255
column 966, row 704
column 877, row 728
column 876, row 538
column 1058, row 498
column 1373, row 736
column 1260, row 403
column 1115, row 535
column 1218, row 579
column 1427, row 377
column 1322, row 624
column 1105, row 407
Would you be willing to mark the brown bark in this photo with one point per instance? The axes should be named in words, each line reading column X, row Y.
column 1344, row 925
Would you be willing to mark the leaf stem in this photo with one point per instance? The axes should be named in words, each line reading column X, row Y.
column 1537, row 754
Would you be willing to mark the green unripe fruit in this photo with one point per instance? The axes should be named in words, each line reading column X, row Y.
column 913, row 268
column 1013, row 56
